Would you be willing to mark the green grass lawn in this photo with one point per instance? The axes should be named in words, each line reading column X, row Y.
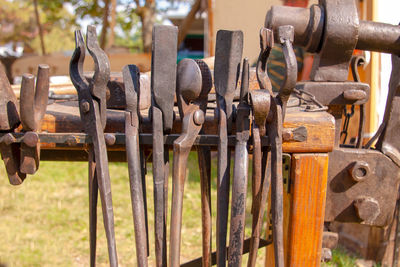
column 44, row 221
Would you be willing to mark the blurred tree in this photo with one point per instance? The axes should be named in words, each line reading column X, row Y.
column 47, row 25
column 19, row 23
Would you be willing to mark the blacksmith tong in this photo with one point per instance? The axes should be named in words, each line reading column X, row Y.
column 274, row 128
column 192, row 90
column 131, row 76
column 92, row 107
column 163, row 84
column 240, row 172
column 22, row 159
column 228, row 54
column 261, row 177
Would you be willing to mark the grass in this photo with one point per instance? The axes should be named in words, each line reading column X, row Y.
column 44, row 221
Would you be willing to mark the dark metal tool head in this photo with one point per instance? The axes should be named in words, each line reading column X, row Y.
column 96, row 89
column 33, row 102
column 228, row 54
column 194, row 82
column 163, row 71
column 9, row 118
column 131, row 75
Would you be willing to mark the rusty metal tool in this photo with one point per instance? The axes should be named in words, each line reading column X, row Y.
column 33, row 103
column 163, row 80
column 9, row 121
column 228, row 54
column 192, row 96
column 274, row 128
column 240, row 172
column 92, row 107
column 260, row 104
column 131, row 76
column 204, row 160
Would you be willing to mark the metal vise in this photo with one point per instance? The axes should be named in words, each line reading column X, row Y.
column 362, row 183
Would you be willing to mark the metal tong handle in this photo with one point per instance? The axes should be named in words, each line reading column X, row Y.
column 240, row 173
column 163, row 79
column 192, row 89
column 94, row 118
column 228, row 54
column 131, row 76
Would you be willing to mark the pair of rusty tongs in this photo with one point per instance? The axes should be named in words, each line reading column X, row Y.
column 131, row 76
column 163, row 85
column 193, row 86
column 240, row 172
column 274, row 128
column 260, row 103
column 228, row 55
column 92, row 106
column 9, row 121
column 22, row 159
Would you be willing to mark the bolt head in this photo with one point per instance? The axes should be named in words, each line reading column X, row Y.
column 359, row 171
column 110, row 139
column 85, row 106
column 30, row 139
column 198, row 117
column 8, row 139
column 71, row 141
column 367, row 208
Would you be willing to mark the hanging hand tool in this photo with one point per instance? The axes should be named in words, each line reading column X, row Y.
column 33, row 105
column 204, row 160
column 228, row 54
column 274, row 130
column 92, row 106
column 131, row 76
column 192, row 96
column 240, row 172
column 163, row 75
column 9, row 121
column 260, row 102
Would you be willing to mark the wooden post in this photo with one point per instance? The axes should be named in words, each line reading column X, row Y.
column 304, row 211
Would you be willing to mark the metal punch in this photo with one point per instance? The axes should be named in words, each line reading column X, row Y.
column 92, row 106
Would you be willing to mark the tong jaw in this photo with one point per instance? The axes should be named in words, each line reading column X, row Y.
column 266, row 44
column 96, row 89
column 193, row 86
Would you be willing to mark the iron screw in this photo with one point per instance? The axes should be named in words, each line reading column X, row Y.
column 198, row 117
column 110, row 139
column 30, row 139
column 85, row 106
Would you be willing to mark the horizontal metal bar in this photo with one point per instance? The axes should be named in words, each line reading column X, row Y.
column 80, row 139
column 71, row 140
